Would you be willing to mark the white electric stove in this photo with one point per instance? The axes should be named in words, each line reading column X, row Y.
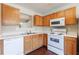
column 56, row 41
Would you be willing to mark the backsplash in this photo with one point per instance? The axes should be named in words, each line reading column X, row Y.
column 10, row 29
column 46, row 30
column 16, row 29
column 71, row 29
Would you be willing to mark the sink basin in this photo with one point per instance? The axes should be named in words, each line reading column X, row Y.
column 31, row 33
column 27, row 33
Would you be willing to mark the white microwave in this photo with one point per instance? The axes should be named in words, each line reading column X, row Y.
column 57, row 22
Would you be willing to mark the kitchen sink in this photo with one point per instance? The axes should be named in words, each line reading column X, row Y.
column 31, row 33
column 27, row 33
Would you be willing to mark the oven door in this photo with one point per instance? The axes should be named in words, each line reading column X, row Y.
column 56, row 41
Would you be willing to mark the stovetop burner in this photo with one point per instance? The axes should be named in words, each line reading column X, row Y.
column 58, row 33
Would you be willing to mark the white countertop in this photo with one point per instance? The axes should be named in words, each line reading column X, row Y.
column 22, row 35
column 68, row 35
column 3, row 37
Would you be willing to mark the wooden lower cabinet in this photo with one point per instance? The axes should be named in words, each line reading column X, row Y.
column 27, row 44
column 1, row 47
column 35, row 42
column 45, row 37
column 32, row 42
column 70, row 46
column 40, row 40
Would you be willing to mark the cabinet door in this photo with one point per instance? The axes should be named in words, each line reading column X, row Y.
column 41, row 21
column 45, row 39
column 27, row 44
column 10, row 15
column 40, row 40
column 70, row 46
column 53, row 15
column 60, row 14
column 38, row 20
column 74, row 44
column 35, row 42
column 46, row 20
column 1, row 47
column 70, row 15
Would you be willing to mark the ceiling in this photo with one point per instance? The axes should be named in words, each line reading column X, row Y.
column 42, row 8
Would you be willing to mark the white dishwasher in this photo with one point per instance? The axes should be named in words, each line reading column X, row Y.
column 13, row 46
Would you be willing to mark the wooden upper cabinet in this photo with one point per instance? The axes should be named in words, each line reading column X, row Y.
column 60, row 14
column 11, row 16
column 70, row 16
column 46, row 20
column 38, row 20
column 70, row 46
column 41, row 21
column 53, row 15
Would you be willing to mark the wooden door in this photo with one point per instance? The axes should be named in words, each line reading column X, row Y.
column 53, row 16
column 46, row 20
column 70, row 15
column 70, row 46
column 27, row 44
column 74, row 44
column 38, row 20
column 35, row 42
column 1, row 47
column 41, row 21
column 40, row 40
column 36, row 17
column 60, row 14
column 11, row 16
column 45, row 40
